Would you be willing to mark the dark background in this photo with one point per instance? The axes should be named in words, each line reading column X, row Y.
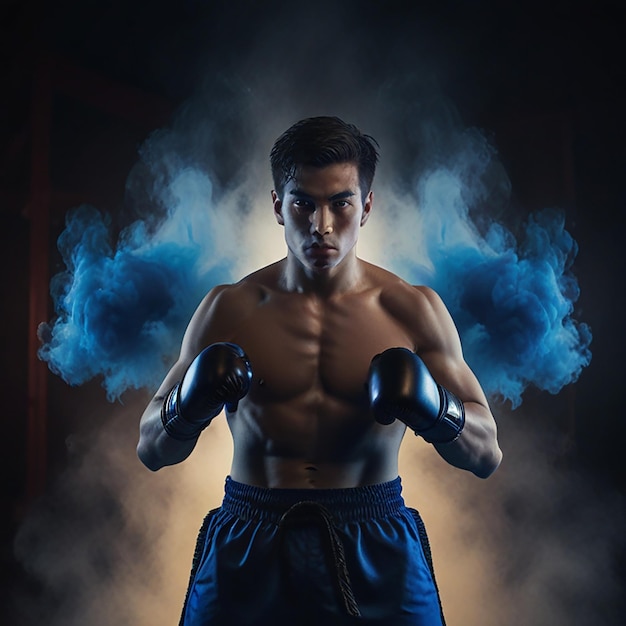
column 85, row 84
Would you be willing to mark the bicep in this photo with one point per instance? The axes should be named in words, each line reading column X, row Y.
column 477, row 449
column 201, row 331
column 439, row 345
column 452, row 372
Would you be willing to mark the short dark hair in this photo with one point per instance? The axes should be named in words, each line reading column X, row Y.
column 321, row 141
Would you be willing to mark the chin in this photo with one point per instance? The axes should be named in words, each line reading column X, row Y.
column 322, row 267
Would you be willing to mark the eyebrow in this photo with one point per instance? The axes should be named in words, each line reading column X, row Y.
column 298, row 193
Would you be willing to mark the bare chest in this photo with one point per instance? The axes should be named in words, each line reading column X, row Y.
column 303, row 347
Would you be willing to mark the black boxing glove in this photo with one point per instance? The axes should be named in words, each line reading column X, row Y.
column 401, row 387
column 220, row 375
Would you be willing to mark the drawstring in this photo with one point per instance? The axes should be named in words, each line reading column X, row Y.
column 311, row 513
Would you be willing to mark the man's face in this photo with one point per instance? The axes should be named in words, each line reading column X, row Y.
column 322, row 211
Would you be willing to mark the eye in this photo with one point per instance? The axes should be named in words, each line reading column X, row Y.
column 306, row 205
column 341, row 204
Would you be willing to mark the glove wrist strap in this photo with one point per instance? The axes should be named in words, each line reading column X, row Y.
column 449, row 424
column 174, row 424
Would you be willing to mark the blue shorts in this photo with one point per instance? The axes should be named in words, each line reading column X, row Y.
column 312, row 556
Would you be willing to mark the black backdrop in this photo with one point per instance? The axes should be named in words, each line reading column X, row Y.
column 546, row 82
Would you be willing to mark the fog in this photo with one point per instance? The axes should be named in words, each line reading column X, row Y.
column 110, row 542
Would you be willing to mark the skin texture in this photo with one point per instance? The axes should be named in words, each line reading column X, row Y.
column 310, row 325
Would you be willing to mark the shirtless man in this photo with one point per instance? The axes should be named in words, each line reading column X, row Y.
column 321, row 360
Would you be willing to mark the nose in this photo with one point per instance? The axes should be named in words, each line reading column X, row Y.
column 321, row 220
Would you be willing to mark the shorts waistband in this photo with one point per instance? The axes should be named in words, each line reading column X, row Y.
column 346, row 505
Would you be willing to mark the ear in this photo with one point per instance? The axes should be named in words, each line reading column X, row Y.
column 278, row 208
column 367, row 207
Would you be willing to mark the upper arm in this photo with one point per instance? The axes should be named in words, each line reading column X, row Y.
column 436, row 340
column 215, row 319
column 209, row 324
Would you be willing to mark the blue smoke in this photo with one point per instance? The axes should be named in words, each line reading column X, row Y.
column 123, row 303
column 512, row 298
column 121, row 307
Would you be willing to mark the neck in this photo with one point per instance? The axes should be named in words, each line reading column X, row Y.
column 325, row 283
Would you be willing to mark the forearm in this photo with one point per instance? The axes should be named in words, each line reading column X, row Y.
column 156, row 448
column 476, row 449
column 218, row 376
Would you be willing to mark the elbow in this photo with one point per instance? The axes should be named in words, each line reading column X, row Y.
column 149, row 459
column 488, row 464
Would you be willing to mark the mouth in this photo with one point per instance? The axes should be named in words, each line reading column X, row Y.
column 321, row 246
column 320, row 253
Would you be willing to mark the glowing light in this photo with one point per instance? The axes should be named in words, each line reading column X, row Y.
column 122, row 306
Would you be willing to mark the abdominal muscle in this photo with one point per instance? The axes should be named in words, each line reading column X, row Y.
column 308, row 425
column 306, row 421
column 288, row 449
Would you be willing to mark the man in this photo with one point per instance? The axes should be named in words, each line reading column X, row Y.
column 321, row 360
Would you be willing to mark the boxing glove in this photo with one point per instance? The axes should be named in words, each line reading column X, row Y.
column 220, row 375
column 401, row 387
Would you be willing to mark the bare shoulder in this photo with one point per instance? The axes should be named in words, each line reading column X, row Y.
column 420, row 310
column 400, row 298
column 225, row 308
